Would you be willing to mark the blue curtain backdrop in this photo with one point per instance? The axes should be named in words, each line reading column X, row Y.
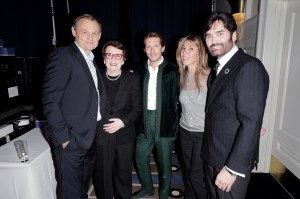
column 27, row 25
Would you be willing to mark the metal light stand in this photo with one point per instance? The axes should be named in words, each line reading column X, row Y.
column 53, row 25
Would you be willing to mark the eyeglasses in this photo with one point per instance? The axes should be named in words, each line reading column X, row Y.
column 111, row 56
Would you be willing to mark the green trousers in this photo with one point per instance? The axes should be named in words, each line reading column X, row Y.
column 144, row 147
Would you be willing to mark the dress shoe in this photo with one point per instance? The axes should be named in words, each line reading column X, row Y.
column 141, row 193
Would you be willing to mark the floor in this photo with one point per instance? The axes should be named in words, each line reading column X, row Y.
column 261, row 186
column 177, row 186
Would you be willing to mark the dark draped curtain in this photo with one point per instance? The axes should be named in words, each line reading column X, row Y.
column 27, row 25
column 173, row 18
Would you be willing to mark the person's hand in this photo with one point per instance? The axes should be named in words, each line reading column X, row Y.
column 224, row 180
column 115, row 125
column 262, row 131
column 65, row 144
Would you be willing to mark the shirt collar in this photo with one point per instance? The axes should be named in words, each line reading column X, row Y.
column 160, row 61
column 87, row 57
column 223, row 60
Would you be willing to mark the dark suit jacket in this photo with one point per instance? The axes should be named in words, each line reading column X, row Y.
column 167, row 90
column 126, row 106
column 70, row 98
column 234, row 113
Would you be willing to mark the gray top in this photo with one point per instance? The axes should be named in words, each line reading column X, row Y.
column 193, row 104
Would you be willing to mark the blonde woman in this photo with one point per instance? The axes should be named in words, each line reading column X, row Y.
column 193, row 68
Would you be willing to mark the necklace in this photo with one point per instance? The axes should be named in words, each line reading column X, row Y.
column 116, row 77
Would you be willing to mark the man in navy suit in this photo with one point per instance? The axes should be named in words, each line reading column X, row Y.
column 234, row 111
column 73, row 100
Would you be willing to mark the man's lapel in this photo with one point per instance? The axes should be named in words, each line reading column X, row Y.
column 83, row 63
column 227, row 71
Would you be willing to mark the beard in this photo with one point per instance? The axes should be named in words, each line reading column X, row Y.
column 220, row 49
column 216, row 52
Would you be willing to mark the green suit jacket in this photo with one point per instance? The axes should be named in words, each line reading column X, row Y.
column 166, row 102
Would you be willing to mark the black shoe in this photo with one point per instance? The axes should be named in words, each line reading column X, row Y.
column 141, row 193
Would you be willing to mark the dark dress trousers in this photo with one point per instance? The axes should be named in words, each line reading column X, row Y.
column 70, row 104
column 114, row 152
column 234, row 114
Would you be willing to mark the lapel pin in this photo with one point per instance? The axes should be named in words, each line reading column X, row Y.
column 226, row 71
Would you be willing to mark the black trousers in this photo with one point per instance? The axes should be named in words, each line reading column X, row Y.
column 191, row 144
column 113, row 168
column 238, row 189
column 74, row 165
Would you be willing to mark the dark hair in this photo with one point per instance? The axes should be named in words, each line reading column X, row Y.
column 155, row 34
column 117, row 45
column 86, row 16
column 226, row 18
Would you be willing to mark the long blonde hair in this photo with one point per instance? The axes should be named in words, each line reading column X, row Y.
column 202, row 67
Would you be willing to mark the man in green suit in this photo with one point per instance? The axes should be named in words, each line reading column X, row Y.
column 157, row 125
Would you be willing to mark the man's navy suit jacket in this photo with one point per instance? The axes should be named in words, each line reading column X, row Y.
column 70, row 98
column 234, row 114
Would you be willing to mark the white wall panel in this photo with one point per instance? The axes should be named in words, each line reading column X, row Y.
column 286, row 144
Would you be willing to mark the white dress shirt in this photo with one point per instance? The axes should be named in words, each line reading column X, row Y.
column 152, row 85
column 89, row 60
column 223, row 60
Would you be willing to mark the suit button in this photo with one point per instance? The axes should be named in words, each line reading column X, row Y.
column 95, row 117
column 111, row 112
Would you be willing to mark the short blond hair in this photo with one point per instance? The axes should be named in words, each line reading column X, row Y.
column 86, row 16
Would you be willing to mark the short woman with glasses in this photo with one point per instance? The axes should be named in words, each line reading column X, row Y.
column 115, row 141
